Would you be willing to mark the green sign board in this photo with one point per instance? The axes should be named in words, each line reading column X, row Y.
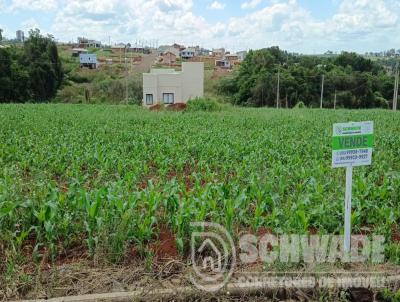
column 352, row 144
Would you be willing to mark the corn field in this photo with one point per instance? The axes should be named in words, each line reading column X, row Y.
column 109, row 178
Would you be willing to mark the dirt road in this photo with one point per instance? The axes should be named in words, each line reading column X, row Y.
column 146, row 63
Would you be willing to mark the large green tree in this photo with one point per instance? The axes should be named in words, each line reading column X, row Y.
column 357, row 82
column 31, row 73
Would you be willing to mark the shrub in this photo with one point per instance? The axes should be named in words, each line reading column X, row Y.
column 300, row 105
column 203, row 104
column 69, row 94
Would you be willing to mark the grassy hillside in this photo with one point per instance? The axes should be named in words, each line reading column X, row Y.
column 108, row 83
column 104, row 85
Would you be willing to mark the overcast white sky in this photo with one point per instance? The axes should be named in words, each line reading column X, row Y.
column 307, row 26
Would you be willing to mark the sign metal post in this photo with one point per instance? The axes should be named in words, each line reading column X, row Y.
column 347, row 214
column 352, row 145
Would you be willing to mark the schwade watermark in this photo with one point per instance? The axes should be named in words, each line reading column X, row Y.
column 214, row 256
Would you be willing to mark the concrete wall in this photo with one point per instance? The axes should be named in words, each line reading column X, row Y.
column 185, row 85
column 192, row 80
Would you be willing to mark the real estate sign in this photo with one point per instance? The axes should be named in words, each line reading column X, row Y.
column 352, row 144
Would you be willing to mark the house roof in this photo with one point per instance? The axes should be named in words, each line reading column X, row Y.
column 169, row 52
column 79, row 49
column 120, row 45
column 191, row 49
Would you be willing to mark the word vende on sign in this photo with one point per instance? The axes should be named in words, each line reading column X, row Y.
column 352, row 144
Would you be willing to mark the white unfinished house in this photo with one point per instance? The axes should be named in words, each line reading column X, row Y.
column 167, row 86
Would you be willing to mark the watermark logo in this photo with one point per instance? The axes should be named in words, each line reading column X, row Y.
column 213, row 256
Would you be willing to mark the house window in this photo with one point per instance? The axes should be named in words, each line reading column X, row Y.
column 149, row 99
column 168, row 98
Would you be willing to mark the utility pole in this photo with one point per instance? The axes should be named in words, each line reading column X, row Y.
column 126, row 78
column 396, row 87
column 277, row 88
column 334, row 101
column 322, row 90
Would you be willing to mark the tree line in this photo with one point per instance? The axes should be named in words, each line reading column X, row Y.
column 356, row 82
column 32, row 72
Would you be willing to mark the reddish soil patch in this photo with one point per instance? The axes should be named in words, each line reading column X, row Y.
column 165, row 248
column 177, row 107
column 263, row 231
column 395, row 233
column 143, row 185
column 171, row 174
column 313, row 230
column 155, row 107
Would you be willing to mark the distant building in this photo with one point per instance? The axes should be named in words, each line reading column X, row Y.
column 86, row 43
column 77, row 51
column 122, row 48
column 165, row 48
column 178, row 47
column 218, row 52
column 242, row 55
column 167, row 86
column 88, row 60
column 188, row 53
column 118, row 48
column 203, row 52
column 232, row 57
column 169, row 58
column 20, row 36
column 223, row 63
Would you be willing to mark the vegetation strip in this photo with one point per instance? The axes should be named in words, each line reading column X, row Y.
column 231, row 289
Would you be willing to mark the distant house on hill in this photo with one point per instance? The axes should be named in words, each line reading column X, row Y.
column 122, row 48
column 164, row 49
column 218, row 52
column 77, row 51
column 223, row 63
column 178, row 47
column 118, row 48
column 232, row 57
column 188, row 53
column 86, row 43
column 203, row 52
column 242, row 55
column 88, row 60
column 169, row 58
column 167, row 86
